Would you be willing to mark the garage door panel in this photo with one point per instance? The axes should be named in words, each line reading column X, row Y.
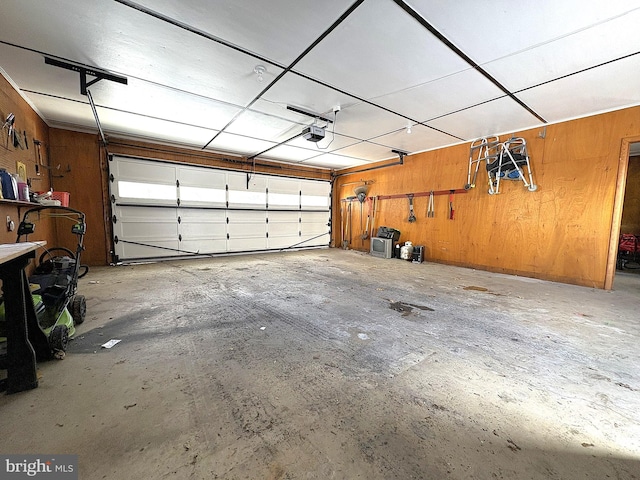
column 146, row 223
column 247, row 224
column 255, row 196
column 314, row 223
column 209, row 217
column 133, row 169
column 204, row 245
column 141, row 231
column 315, row 240
column 202, row 187
column 160, row 249
column 201, row 177
column 247, row 231
column 284, row 229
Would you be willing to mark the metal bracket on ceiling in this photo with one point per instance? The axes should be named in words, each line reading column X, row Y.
column 401, row 154
column 84, row 72
column 317, row 116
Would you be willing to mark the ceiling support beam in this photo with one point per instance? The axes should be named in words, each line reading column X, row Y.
column 84, row 71
column 422, row 21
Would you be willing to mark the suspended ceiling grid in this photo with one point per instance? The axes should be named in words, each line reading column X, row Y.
column 451, row 71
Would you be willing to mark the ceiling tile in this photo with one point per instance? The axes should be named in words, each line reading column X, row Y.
column 603, row 43
column 492, row 29
column 368, row 151
column 288, row 153
column 65, row 113
column 421, row 138
column 114, row 122
column 268, row 33
column 377, row 50
column 604, row 88
column 441, row 96
column 264, row 127
column 366, row 121
column 499, row 116
column 297, row 91
column 239, row 144
column 331, row 160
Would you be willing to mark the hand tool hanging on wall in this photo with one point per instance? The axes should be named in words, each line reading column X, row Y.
column 365, row 234
column 38, row 155
column 412, row 215
column 430, row 211
column 451, row 209
column 8, row 124
column 341, row 225
column 374, row 202
column 350, row 225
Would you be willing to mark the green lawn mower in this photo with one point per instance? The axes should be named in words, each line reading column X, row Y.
column 54, row 283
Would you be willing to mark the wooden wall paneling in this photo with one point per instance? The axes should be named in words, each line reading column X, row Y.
column 26, row 119
column 560, row 232
column 78, row 155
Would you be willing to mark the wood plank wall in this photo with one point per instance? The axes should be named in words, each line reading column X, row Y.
column 560, row 232
column 83, row 173
column 26, row 120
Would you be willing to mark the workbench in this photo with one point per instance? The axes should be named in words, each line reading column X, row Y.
column 25, row 341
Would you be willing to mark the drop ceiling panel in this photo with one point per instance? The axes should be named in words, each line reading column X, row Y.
column 565, row 56
column 279, row 110
column 121, row 124
column 288, row 153
column 421, row 138
column 492, row 29
column 368, row 151
column 67, row 114
column 268, row 34
column 331, row 160
column 239, row 144
column 613, row 85
column 134, row 44
column 441, row 96
column 307, row 95
column 137, row 97
column 377, row 50
column 498, row 116
column 152, row 100
column 365, row 121
column 264, row 127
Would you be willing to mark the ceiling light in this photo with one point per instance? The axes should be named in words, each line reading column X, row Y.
column 259, row 70
column 408, row 129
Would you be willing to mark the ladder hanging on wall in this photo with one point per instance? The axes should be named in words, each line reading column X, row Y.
column 504, row 160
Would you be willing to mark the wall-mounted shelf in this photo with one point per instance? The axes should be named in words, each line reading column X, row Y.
column 18, row 203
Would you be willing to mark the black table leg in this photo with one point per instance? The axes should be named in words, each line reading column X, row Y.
column 21, row 357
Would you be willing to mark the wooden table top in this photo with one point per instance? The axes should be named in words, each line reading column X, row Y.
column 11, row 251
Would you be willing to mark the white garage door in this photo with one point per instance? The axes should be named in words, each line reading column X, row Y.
column 162, row 209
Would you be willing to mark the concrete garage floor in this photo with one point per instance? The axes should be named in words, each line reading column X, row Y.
column 333, row 364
